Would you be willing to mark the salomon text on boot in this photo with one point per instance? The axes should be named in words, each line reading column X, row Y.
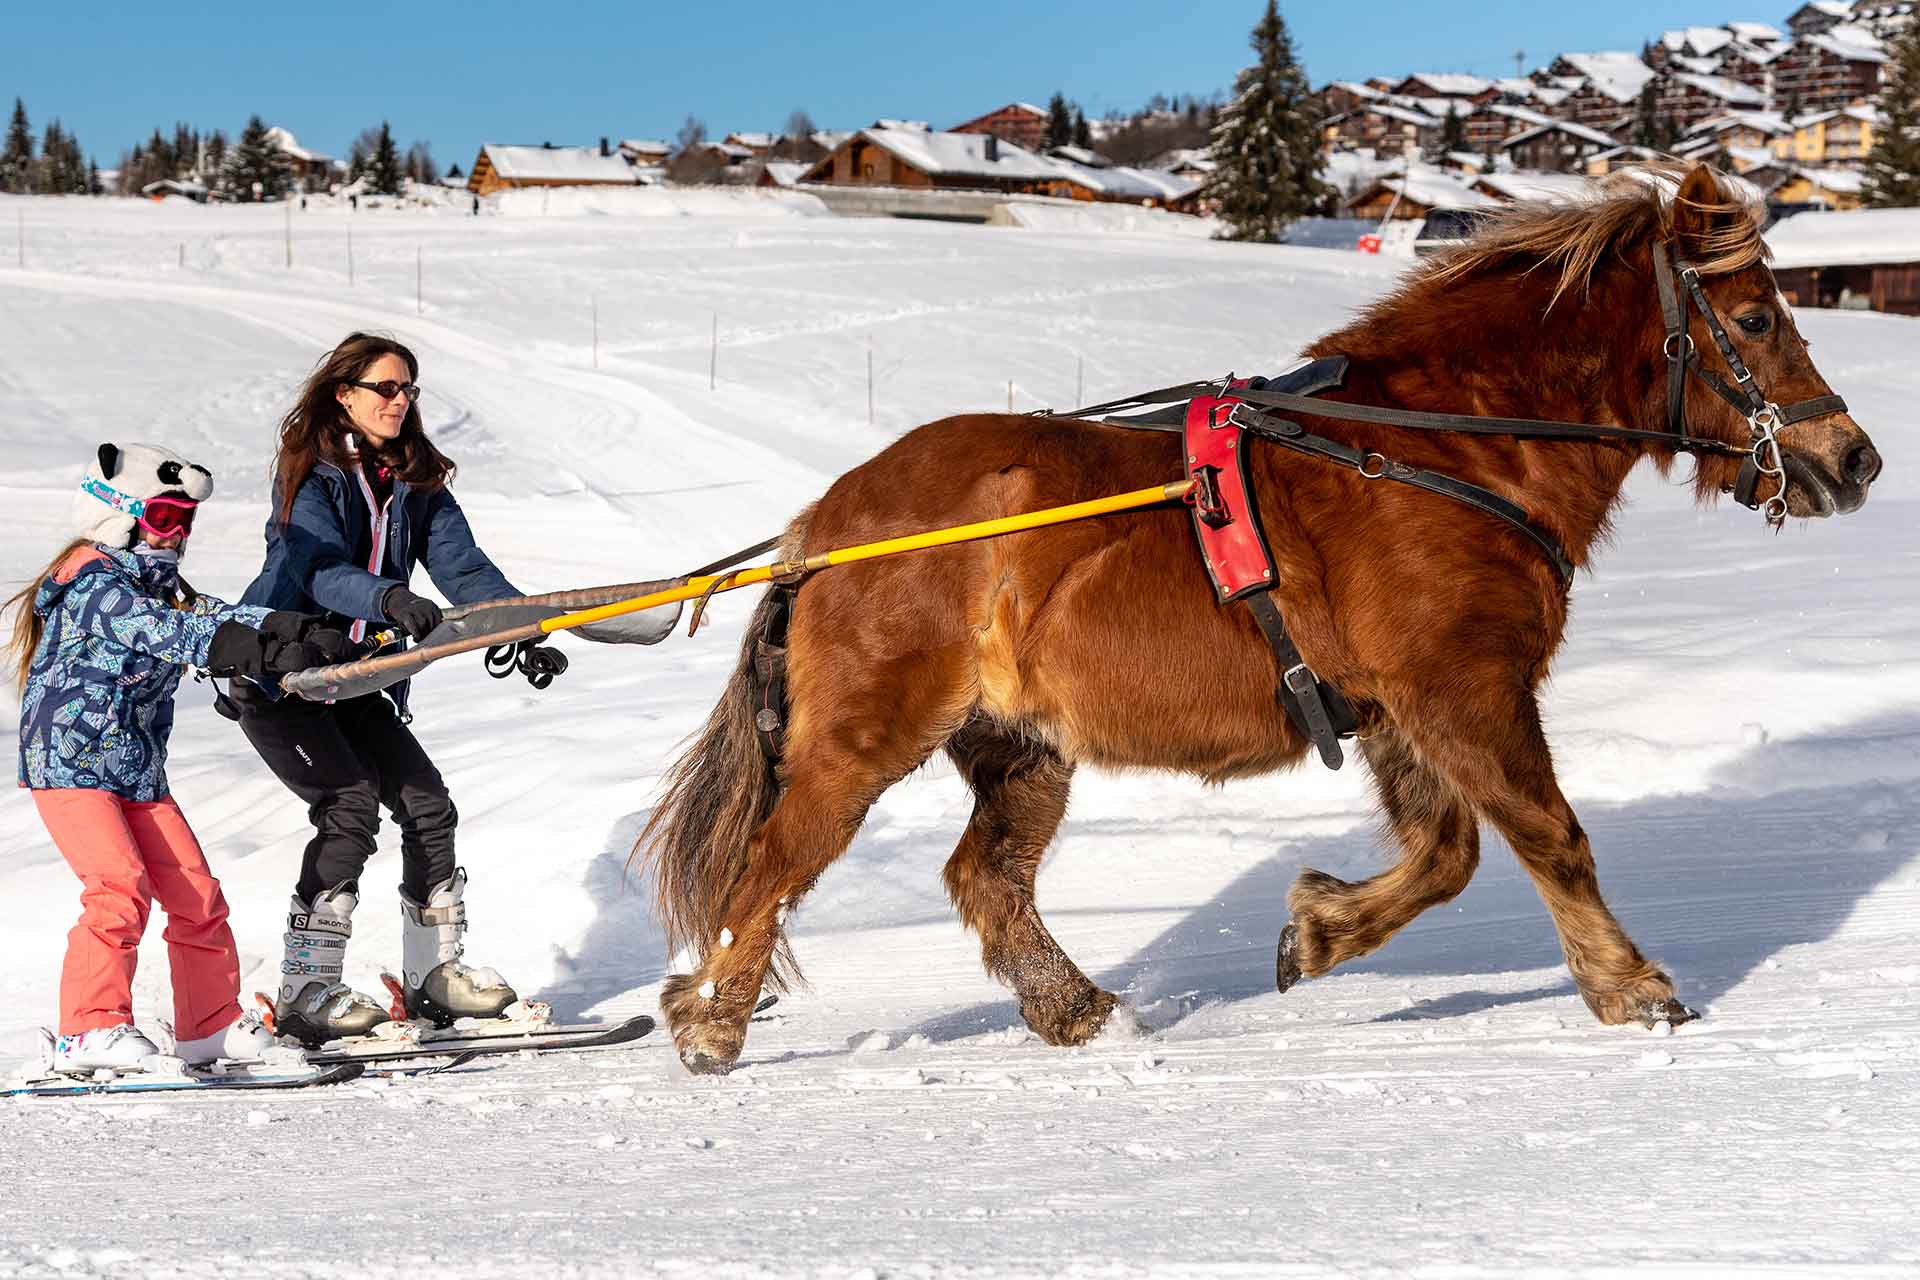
column 314, row 1005
column 438, row 987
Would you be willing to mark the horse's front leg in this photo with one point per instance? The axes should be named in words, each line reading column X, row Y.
column 1484, row 736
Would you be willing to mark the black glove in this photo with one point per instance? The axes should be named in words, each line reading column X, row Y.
column 413, row 615
column 329, row 644
column 538, row 662
column 240, row 650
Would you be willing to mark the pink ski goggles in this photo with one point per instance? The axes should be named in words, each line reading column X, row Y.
column 162, row 517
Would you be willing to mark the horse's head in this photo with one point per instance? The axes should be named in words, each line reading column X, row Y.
column 1824, row 462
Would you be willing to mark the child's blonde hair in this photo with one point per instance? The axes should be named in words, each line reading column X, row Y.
column 28, row 625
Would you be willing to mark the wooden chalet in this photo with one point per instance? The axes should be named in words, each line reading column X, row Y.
column 1342, row 96
column 311, row 170
column 1412, row 196
column 1869, row 259
column 1836, row 189
column 881, row 157
column 505, row 168
column 1560, row 147
column 1686, row 99
column 1468, row 89
column 1021, row 123
column 1830, row 137
column 757, row 145
column 1604, row 86
column 1818, row 16
column 1829, row 70
column 1383, row 127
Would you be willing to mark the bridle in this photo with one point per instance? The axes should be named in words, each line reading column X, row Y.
column 1764, row 417
column 1672, row 275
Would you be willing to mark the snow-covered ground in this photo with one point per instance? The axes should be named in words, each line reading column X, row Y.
column 1736, row 715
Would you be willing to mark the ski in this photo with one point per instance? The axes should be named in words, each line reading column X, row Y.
column 239, row 1080
column 484, row 1040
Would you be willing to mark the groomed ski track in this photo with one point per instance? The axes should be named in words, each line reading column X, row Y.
column 1736, row 718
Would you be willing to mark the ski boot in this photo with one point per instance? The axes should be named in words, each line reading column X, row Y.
column 313, row 1004
column 115, row 1049
column 437, row 987
column 246, row 1039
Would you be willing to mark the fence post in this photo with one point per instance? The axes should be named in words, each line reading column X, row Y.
column 1009, row 395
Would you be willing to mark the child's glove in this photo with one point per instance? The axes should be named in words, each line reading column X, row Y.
column 283, row 643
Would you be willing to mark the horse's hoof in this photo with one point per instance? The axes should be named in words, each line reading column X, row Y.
column 1286, row 959
column 705, row 1064
column 1669, row 1011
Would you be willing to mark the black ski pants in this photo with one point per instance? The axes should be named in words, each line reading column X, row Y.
column 347, row 759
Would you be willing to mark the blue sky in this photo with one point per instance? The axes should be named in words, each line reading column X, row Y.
column 456, row 75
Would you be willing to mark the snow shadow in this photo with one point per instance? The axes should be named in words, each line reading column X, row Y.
column 1709, row 885
column 624, row 948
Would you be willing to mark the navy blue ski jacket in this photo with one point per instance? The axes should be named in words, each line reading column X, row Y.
column 322, row 559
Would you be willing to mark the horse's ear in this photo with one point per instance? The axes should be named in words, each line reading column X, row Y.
column 1698, row 208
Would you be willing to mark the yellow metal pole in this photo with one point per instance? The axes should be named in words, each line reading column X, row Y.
column 871, row 550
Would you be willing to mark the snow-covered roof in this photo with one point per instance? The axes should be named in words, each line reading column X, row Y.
column 1526, row 115
column 1760, row 55
column 1567, row 127
column 1529, row 185
column 1770, row 122
column 1128, row 182
column 1357, row 89
column 1842, row 182
column 282, row 140
column 1730, row 91
column 1434, row 188
column 1548, row 95
column 912, row 126
column 1698, row 66
column 1619, row 76
column 1859, row 238
column 646, row 146
column 1518, row 86
column 830, row 138
column 1469, row 160
column 1750, row 158
column 961, row 154
column 1450, row 85
column 1184, row 158
column 1756, row 32
column 556, row 164
column 759, row 141
column 1082, row 156
column 1855, row 44
column 731, row 150
column 1406, row 115
column 785, row 172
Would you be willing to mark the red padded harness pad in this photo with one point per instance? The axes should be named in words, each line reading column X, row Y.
column 1231, row 544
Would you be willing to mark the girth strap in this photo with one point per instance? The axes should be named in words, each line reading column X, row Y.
column 1317, row 709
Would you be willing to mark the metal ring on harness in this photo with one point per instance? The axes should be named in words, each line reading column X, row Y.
column 1667, row 346
column 1381, row 458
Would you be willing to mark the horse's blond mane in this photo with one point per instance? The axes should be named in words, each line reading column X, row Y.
column 1629, row 206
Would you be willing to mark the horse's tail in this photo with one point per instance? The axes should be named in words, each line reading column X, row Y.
column 717, row 793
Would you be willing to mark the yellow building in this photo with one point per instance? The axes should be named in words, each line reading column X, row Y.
column 1837, row 189
column 1831, row 137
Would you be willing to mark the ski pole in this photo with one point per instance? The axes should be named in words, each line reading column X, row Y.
column 351, row 679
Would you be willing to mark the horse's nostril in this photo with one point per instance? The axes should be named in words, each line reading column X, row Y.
column 1863, row 464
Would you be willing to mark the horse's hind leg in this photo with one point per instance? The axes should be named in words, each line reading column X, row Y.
column 846, row 746
column 1334, row 921
column 1020, row 795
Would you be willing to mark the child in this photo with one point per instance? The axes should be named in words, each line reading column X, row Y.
column 100, row 640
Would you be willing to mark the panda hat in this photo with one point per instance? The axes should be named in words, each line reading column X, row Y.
column 119, row 481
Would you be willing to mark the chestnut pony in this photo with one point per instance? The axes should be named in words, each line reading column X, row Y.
column 1100, row 642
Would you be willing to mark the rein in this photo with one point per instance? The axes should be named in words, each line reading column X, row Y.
column 1764, row 418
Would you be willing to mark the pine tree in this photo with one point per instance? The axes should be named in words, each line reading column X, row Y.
column 253, row 161
column 384, row 172
column 1266, row 145
column 16, row 160
column 1082, row 136
column 1059, row 123
column 1453, row 134
column 1893, row 165
column 94, row 186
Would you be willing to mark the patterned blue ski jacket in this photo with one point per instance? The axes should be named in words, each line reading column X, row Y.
column 99, row 699
column 336, row 555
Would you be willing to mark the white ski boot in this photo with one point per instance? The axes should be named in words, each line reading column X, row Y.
column 246, row 1039
column 115, row 1049
column 437, row 987
column 313, row 1005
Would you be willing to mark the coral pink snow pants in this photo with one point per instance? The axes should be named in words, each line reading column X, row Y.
column 127, row 855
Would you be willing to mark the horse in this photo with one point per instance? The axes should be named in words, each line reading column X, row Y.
column 1103, row 642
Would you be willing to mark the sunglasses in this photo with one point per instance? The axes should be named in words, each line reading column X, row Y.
column 388, row 389
column 167, row 517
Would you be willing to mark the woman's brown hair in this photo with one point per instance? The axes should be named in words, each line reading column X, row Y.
column 317, row 427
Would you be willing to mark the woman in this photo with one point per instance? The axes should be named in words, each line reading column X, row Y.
column 99, row 641
column 360, row 497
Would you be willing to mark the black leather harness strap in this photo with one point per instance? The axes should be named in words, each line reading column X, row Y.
column 1317, row 709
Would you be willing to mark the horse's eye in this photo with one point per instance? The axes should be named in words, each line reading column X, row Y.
column 1756, row 324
